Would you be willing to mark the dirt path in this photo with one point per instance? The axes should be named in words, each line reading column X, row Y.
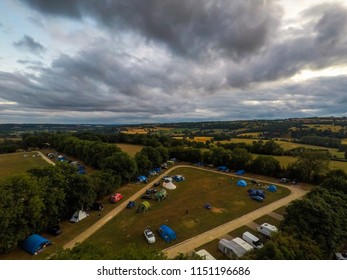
column 46, row 158
column 189, row 244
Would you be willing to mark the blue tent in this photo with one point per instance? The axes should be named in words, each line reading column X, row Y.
column 142, row 178
column 272, row 188
column 35, row 243
column 242, row 183
column 223, row 168
column 257, row 193
column 152, row 172
column 166, row 233
column 157, row 169
column 240, row 172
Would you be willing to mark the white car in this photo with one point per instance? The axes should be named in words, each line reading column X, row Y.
column 341, row 256
column 149, row 235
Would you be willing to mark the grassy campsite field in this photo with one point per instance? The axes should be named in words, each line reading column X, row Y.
column 199, row 188
column 19, row 163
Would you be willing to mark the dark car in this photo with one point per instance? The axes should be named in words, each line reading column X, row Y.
column 146, row 196
column 156, row 184
column 131, row 204
column 97, row 206
column 55, row 230
column 150, row 191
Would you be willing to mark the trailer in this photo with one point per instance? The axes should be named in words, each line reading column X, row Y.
column 236, row 246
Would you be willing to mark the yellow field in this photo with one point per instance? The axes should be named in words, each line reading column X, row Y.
column 196, row 139
column 333, row 128
column 287, row 145
column 344, row 141
column 250, row 134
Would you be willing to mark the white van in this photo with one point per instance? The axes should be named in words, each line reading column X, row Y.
column 235, row 246
column 252, row 240
column 267, row 229
column 204, row 254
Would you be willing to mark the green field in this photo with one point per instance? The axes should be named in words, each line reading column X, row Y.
column 131, row 150
column 19, row 163
column 228, row 202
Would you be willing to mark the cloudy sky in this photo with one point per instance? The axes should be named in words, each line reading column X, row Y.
column 145, row 61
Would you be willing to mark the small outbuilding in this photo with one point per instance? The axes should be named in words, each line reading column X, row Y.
column 35, row 243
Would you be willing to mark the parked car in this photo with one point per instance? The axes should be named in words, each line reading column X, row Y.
column 150, row 191
column 156, row 184
column 149, row 235
column 97, row 206
column 257, row 198
column 131, row 204
column 341, row 256
column 284, row 180
column 116, row 197
column 55, row 230
column 146, row 196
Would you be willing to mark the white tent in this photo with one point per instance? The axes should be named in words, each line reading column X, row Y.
column 169, row 185
column 78, row 215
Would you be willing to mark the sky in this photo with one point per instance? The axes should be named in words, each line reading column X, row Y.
column 159, row 61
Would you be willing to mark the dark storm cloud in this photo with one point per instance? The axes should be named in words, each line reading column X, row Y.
column 190, row 28
column 29, row 44
column 322, row 43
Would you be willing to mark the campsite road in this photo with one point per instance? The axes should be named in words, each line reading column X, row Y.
column 45, row 158
column 190, row 244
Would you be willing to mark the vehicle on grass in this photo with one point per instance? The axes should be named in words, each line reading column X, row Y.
column 116, row 197
column 156, row 184
column 149, row 235
column 131, row 204
column 236, row 246
column 252, row 240
column 55, row 230
column 147, row 196
column 150, row 191
column 166, row 233
column 284, row 180
column 205, row 255
column 267, row 229
column 97, row 206
column 341, row 256
column 257, row 198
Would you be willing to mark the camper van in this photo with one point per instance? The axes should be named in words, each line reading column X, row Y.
column 235, row 246
column 252, row 240
column 267, row 229
column 205, row 255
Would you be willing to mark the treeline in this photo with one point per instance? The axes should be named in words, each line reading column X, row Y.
column 314, row 227
column 321, row 141
column 30, row 203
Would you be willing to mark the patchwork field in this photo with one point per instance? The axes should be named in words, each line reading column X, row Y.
column 200, row 187
column 19, row 163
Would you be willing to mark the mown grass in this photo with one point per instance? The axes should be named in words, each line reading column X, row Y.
column 267, row 219
column 228, row 202
column 19, row 163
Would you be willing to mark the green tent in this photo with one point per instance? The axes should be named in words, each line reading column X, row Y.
column 143, row 207
column 161, row 195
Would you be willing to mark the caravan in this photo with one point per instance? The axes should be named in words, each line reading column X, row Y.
column 235, row 246
column 205, row 255
column 252, row 240
column 267, row 229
